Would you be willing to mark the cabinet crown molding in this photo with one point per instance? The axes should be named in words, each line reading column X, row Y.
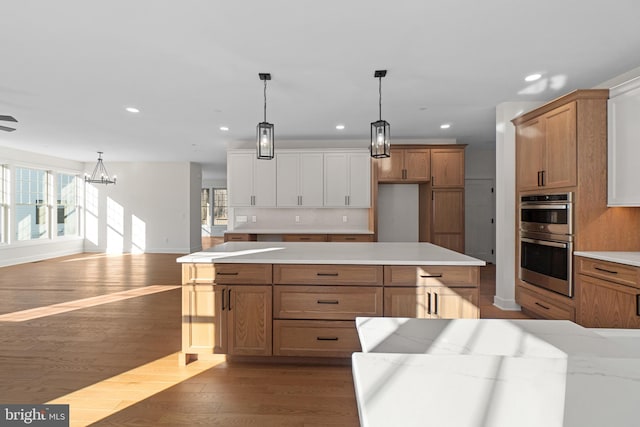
column 571, row 96
column 625, row 87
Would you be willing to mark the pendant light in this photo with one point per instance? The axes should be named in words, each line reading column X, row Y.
column 265, row 130
column 380, row 130
column 100, row 174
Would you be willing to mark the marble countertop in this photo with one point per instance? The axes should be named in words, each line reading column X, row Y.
column 629, row 258
column 495, row 372
column 380, row 253
column 498, row 391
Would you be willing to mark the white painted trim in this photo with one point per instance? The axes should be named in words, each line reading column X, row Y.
column 506, row 304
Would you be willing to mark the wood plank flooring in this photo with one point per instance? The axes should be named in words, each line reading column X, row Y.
column 116, row 363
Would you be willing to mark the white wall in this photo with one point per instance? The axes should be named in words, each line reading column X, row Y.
column 506, row 202
column 154, row 207
column 398, row 213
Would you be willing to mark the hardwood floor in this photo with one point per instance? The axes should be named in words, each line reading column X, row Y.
column 116, row 363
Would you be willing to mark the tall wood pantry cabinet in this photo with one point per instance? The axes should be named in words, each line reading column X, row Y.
column 438, row 170
column 562, row 147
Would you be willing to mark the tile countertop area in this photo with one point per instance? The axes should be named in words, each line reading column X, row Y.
column 628, row 258
column 331, row 253
column 495, row 372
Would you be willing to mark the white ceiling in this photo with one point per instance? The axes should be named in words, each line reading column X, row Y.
column 69, row 68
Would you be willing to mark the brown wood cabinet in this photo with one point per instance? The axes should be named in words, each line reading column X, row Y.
column 435, row 292
column 608, row 294
column 562, row 147
column 304, row 237
column 225, row 317
column 406, row 164
column 447, row 218
column 447, row 167
column 546, row 150
column 350, row 237
column 431, row 302
column 240, row 237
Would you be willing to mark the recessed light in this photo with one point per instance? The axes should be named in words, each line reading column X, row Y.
column 224, row 128
column 132, row 109
column 339, row 127
column 445, row 126
column 532, row 77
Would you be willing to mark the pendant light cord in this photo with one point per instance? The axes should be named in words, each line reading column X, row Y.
column 265, row 100
column 380, row 96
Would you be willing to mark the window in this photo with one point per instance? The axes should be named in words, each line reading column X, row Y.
column 219, row 206
column 4, row 202
column 31, row 204
column 67, row 209
column 205, row 216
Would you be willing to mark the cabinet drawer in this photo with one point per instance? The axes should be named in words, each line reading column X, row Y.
column 243, row 274
column 240, row 237
column 315, row 338
column 543, row 308
column 351, row 237
column 326, row 302
column 197, row 273
column 618, row 273
column 305, row 274
column 412, row 275
column 304, row 237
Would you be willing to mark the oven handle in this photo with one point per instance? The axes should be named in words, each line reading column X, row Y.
column 560, row 206
column 545, row 243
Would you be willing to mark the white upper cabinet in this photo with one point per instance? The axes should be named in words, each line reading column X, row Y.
column 347, row 179
column 624, row 145
column 250, row 182
column 299, row 179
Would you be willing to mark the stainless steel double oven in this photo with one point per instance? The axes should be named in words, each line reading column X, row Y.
column 546, row 241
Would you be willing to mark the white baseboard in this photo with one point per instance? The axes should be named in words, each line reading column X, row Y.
column 506, row 304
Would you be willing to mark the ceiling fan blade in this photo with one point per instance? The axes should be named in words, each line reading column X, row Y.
column 8, row 119
column 7, row 129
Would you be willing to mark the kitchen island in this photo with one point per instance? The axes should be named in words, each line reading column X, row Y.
column 301, row 299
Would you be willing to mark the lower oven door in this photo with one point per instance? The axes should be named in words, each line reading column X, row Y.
column 547, row 263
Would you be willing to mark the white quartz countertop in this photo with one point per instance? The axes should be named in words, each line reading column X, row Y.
column 498, row 391
column 499, row 337
column 629, row 258
column 297, row 231
column 495, row 372
column 379, row 253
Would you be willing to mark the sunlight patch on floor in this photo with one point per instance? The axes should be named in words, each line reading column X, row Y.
column 100, row 400
column 64, row 307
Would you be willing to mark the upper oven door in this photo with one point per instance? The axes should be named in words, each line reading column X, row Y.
column 555, row 218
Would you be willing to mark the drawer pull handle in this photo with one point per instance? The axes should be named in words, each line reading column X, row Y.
column 324, row 301
column 328, row 274
column 327, row 338
column 305, row 238
column 219, row 273
column 545, row 307
column 430, row 276
column 350, row 238
column 604, row 270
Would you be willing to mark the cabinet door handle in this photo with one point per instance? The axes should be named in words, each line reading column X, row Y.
column 324, row 301
column 605, row 270
column 543, row 306
column 429, row 276
column 327, row 274
column 638, row 305
column 433, row 180
column 543, row 174
column 539, row 185
column 223, row 291
column 229, row 299
column 428, row 302
column 327, row 338
column 219, row 273
column 435, row 297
